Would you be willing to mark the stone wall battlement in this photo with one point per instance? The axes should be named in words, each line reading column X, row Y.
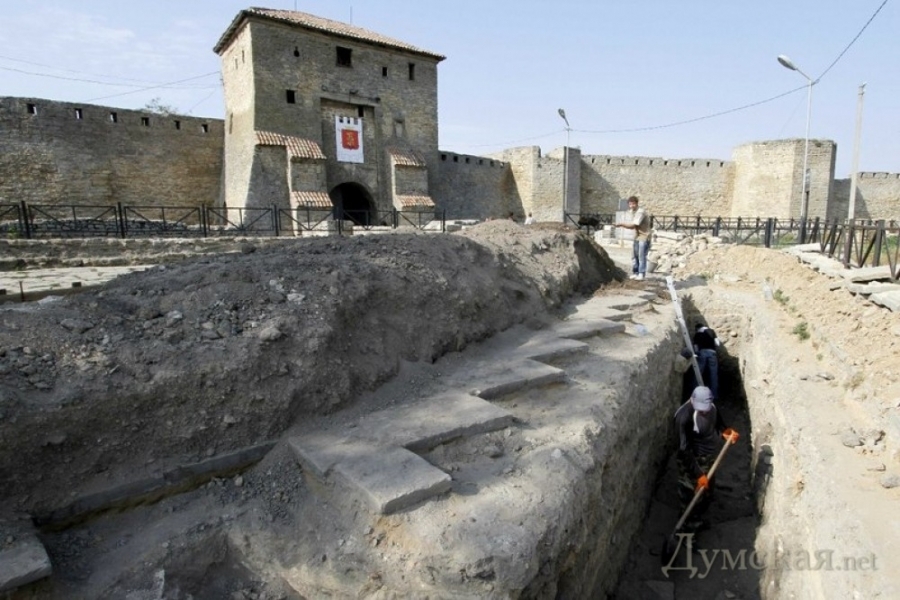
column 645, row 161
column 878, row 175
column 72, row 115
column 466, row 159
column 54, row 153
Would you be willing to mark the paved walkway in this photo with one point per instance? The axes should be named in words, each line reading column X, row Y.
column 38, row 283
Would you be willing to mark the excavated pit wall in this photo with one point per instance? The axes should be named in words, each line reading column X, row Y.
column 806, row 526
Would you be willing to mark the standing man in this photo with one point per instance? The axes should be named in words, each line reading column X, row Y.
column 699, row 426
column 706, row 345
column 639, row 220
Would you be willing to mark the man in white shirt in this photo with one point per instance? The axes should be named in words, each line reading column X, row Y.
column 639, row 220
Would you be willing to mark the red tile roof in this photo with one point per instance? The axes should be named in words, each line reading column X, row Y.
column 415, row 201
column 312, row 199
column 308, row 21
column 297, row 146
column 405, row 157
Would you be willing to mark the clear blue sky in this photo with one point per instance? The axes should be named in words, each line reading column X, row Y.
column 622, row 70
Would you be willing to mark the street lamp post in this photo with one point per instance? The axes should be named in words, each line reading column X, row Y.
column 851, row 207
column 804, row 195
column 562, row 114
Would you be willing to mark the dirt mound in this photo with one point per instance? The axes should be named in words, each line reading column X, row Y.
column 190, row 360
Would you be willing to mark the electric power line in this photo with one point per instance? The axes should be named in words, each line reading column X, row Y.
column 133, row 85
column 153, row 87
column 37, row 64
column 710, row 116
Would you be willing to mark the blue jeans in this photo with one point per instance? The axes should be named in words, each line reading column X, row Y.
column 708, row 361
column 640, row 249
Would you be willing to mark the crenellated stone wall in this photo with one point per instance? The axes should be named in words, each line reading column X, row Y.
column 692, row 186
column 877, row 197
column 55, row 153
column 475, row 187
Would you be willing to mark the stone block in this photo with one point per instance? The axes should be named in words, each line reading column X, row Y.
column 24, row 562
column 391, row 479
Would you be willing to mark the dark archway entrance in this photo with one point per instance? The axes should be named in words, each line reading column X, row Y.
column 352, row 202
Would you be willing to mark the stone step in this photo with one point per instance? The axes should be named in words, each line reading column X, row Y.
column 23, row 561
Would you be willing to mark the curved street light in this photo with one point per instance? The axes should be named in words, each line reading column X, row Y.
column 804, row 194
column 562, row 114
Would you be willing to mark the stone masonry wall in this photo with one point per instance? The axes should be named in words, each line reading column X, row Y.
column 297, row 88
column 665, row 186
column 877, row 197
column 55, row 153
column 474, row 187
column 768, row 178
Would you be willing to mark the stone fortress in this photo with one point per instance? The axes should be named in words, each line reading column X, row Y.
column 329, row 117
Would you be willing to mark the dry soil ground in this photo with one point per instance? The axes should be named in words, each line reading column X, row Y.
column 196, row 359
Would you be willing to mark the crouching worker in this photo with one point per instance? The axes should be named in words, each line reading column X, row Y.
column 699, row 426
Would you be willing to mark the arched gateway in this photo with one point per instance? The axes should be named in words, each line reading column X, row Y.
column 352, row 202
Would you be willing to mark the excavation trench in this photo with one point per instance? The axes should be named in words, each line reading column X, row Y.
column 572, row 499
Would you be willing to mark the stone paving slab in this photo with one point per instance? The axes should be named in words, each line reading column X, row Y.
column 505, row 378
column 866, row 289
column 550, row 348
column 578, row 330
column 867, row 274
column 823, row 264
column 889, row 300
column 40, row 282
column 391, row 479
column 24, row 562
column 438, row 419
column 318, row 453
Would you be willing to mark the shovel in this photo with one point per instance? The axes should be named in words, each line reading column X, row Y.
column 670, row 544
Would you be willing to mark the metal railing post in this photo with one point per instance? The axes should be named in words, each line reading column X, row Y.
column 26, row 221
column 120, row 220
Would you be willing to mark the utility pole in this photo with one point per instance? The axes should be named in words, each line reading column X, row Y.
column 851, row 211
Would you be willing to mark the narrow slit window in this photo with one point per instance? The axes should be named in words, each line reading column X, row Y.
column 360, row 111
column 297, row 51
column 344, row 57
column 290, row 96
column 32, row 109
column 412, row 71
column 79, row 114
column 204, row 128
column 145, row 121
column 384, row 71
column 177, row 124
column 113, row 117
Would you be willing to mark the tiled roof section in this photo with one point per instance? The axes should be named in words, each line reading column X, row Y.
column 312, row 199
column 297, row 146
column 415, row 201
column 313, row 22
column 406, row 157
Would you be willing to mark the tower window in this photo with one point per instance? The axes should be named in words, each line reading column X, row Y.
column 344, row 57
column 79, row 114
column 177, row 124
column 32, row 109
column 204, row 128
column 297, row 51
column 291, row 96
column 145, row 121
column 114, row 117
column 360, row 111
column 412, row 71
column 384, row 71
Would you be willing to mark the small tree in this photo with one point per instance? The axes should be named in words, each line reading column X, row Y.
column 157, row 107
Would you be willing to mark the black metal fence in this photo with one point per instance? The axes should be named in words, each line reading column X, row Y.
column 856, row 243
column 30, row 221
